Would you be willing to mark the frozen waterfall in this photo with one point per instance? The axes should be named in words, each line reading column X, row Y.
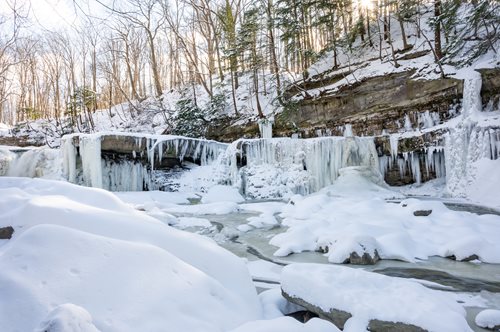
column 280, row 167
column 30, row 162
column 469, row 142
column 128, row 161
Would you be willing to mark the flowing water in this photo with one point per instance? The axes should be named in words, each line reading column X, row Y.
column 472, row 283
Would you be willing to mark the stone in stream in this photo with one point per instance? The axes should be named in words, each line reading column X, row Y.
column 6, row 232
column 466, row 259
column 358, row 250
column 365, row 259
column 422, row 213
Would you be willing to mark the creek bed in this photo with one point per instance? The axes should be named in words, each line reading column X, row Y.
column 469, row 280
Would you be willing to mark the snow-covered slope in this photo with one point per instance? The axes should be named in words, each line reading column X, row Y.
column 129, row 271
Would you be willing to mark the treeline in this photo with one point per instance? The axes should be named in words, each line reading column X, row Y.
column 136, row 49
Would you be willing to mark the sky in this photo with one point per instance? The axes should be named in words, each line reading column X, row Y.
column 49, row 14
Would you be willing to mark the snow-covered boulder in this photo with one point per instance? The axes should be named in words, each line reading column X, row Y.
column 125, row 286
column 67, row 318
column 489, row 319
column 359, row 250
column 379, row 301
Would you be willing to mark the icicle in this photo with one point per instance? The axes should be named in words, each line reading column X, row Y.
column 407, row 125
column 69, row 157
column 266, row 128
column 348, row 130
column 90, row 152
column 394, row 141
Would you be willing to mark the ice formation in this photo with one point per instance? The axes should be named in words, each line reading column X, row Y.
column 266, row 128
column 30, row 162
column 289, row 166
column 410, row 162
column 86, row 165
column 469, row 142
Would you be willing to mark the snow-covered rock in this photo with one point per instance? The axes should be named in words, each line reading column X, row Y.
column 67, row 318
column 489, row 319
column 371, row 297
column 347, row 219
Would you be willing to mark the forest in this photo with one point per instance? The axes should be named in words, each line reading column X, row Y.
column 133, row 50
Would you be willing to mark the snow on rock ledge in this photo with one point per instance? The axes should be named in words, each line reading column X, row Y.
column 376, row 299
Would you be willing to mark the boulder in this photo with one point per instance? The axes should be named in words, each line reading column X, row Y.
column 6, row 232
column 337, row 317
column 422, row 213
column 365, row 259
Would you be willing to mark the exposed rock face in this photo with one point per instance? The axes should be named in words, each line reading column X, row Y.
column 337, row 317
column 371, row 106
column 376, row 105
column 6, row 232
column 490, row 89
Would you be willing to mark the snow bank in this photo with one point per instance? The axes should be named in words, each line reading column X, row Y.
column 338, row 221
column 370, row 296
column 125, row 286
column 25, row 203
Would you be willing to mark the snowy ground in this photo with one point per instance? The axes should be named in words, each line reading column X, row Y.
column 70, row 242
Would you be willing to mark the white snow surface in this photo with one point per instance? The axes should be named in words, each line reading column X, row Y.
column 368, row 296
column 287, row 324
column 488, row 318
column 353, row 216
column 220, row 193
column 131, row 272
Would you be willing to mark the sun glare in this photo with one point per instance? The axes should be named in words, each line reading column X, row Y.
column 367, row 4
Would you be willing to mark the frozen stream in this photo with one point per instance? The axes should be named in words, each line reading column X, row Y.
column 471, row 283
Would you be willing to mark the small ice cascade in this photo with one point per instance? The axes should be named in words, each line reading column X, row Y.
column 410, row 162
column 266, row 128
column 280, row 167
column 30, row 162
column 469, row 142
column 200, row 151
